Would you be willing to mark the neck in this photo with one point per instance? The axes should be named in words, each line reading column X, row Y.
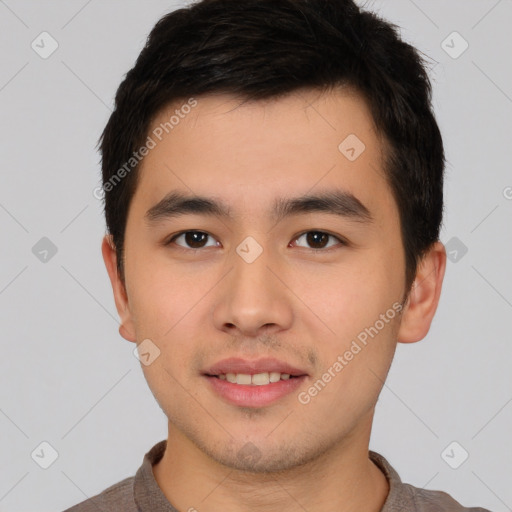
column 343, row 479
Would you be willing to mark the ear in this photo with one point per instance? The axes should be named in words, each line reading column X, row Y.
column 126, row 326
column 424, row 296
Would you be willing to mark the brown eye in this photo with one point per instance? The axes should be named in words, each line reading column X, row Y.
column 318, row 240
column 192, row 239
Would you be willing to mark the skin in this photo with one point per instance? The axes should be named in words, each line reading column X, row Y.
column 292, row 303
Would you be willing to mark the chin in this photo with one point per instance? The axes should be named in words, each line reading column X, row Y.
column 258, row 455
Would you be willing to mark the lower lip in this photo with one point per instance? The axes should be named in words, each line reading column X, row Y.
column 254, row 396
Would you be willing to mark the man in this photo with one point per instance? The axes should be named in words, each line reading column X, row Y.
column 273, row 180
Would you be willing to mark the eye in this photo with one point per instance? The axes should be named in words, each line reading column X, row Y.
column 193, row 240
column 315, row 240
column 319, row 240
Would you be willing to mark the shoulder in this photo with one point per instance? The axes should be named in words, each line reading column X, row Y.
column 425, row 500
column 404, row 497
column 117, row 497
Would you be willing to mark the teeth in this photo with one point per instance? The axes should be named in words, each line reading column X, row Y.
column 243, row 378
column 258, row 379
column 275, row 376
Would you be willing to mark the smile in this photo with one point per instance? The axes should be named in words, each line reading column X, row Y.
column 258, row 379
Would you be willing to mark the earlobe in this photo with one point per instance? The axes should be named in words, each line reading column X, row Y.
column 126, row 326
column 424, row 296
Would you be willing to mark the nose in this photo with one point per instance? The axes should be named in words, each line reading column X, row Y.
column 252, row 300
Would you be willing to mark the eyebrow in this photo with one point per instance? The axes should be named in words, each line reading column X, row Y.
column 337, row 202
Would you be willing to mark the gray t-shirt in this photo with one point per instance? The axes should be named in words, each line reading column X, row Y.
column 142, row 494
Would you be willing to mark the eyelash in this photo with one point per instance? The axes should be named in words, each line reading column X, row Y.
column 341, row 241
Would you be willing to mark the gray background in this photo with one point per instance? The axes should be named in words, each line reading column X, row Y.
column 68, row 378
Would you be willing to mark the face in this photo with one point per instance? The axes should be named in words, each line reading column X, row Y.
column 291, row 264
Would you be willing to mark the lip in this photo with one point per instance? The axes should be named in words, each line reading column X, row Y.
column 243, row 395
column 254, row 396
column 239, row 365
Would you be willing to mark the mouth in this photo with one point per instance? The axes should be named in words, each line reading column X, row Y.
column 257, row 379
column 253, row 383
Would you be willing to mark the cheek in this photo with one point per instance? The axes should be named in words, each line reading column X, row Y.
column 169, row 307
column 348, row 298
column 357, row 306
column 162, row 296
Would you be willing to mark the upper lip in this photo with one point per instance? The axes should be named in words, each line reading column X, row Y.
column 246, row 366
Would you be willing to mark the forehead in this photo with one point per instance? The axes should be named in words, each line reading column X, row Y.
column 251, row 152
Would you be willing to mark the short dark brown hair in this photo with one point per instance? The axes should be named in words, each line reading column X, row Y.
column 259, row 49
